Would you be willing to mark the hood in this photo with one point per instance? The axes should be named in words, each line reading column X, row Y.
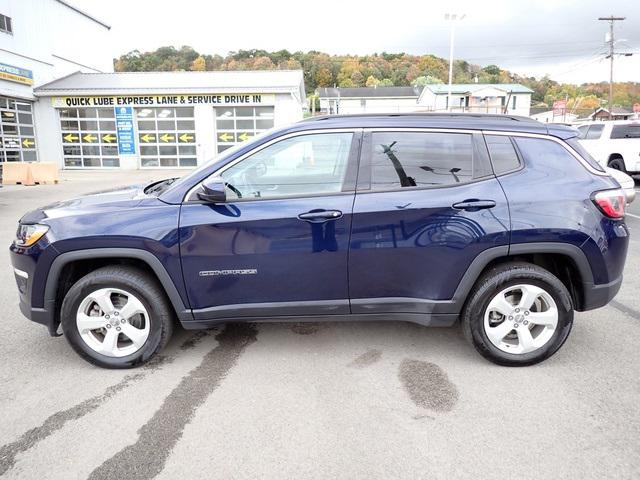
column 103, row 201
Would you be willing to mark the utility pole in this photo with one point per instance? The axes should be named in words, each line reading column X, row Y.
column 611, row 19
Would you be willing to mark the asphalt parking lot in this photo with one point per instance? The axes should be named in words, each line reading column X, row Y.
column 333, row 400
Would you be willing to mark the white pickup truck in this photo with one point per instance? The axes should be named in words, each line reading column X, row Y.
column 614, row 144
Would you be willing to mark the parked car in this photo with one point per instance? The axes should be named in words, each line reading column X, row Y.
column 627, row 183
column 614, row 144
column 497, row 221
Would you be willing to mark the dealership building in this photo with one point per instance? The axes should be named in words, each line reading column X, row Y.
column 61, row 102
column 160, row 119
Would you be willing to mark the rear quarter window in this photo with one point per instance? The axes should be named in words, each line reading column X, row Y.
column 594, row 132
column 575, row 144
column 554, row 153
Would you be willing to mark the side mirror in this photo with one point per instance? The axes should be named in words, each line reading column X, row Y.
column 213, row 190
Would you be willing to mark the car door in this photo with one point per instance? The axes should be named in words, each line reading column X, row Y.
column 279, row 244
column 427, row 204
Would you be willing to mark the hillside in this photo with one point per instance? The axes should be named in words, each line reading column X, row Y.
column 390, row 69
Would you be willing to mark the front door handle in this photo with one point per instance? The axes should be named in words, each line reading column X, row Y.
column 320, row 216
column 474, row 205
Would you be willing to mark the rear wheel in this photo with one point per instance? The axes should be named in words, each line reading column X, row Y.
column 116, row 317
column 518, row 314
column 617, row 163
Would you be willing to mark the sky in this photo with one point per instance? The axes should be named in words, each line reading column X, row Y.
column 561, row 38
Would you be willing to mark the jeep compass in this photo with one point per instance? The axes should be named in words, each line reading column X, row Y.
column 499, row 222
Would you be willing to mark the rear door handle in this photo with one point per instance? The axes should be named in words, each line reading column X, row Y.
column 319, row 216
column 474, row 205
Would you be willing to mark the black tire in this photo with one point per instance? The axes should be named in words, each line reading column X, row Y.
column 617, row 163
column 496, row 280
column 140, row 284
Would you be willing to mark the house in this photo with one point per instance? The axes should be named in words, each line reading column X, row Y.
column 509, row 98
column 618, row 114
column 549, row 116
column 369, row 100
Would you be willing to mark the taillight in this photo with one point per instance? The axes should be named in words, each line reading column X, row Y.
column 610, row 202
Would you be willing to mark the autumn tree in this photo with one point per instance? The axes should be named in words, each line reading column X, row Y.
column 199, row 64
column 384, row 69
column 372, row 81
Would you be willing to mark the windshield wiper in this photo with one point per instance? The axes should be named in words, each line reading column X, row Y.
column 158, row 187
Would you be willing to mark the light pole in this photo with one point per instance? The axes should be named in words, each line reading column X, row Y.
column 451, row 17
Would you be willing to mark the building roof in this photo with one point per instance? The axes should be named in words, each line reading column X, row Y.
column 143, row 83
column 84, row 14
column 615, row 111
column 371, row 92
column 443, row 88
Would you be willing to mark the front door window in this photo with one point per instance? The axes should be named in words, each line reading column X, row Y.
column 298, row 166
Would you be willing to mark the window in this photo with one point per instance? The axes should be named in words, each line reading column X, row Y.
column 17, row 134
column 5, row 24
column 631, row 130
column 407, row 159
column 503, row 154
column 238, row 124
column 166, row 137
column 553, row 153
column 583, row 130
column 298, row 166
column 575, row 144
column 89, row 137
column 594, row 132
column 513, row 102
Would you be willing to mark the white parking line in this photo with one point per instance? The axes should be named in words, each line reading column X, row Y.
column 632, row 215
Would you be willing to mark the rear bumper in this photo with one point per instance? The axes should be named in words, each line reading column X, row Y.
column 596, row 296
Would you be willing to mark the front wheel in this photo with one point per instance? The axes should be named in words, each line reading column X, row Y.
column 518, row 314
column 116, row 317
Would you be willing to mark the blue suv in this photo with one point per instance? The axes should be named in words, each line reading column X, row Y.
column 501, row 222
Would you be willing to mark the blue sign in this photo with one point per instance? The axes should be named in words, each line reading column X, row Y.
column 124, row 129
column 16, row 74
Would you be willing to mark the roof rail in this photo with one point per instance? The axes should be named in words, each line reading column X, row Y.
column 496, row 116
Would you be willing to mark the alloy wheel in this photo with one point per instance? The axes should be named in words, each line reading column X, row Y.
column 113, row 322
column 521, row 319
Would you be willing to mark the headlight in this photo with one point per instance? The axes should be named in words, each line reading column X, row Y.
column 29, row 234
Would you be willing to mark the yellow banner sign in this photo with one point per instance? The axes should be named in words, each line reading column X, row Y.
column 226, row 99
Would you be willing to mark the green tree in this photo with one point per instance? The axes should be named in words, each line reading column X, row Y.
column 425, row 80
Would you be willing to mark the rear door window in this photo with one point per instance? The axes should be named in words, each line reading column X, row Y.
column 420, row 159
column 503, row 154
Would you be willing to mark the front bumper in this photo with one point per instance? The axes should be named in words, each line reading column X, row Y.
column 24, row 268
